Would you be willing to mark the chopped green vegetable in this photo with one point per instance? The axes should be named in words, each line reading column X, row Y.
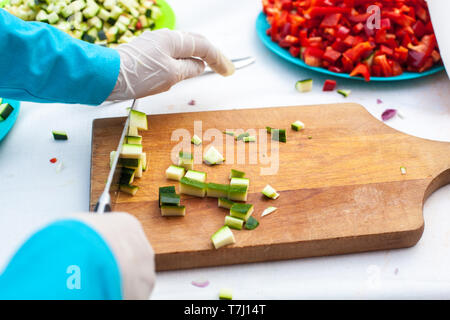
column 344, row 93
column 133, row 131
column 196, row 175
column 304, row 85
column 186, row 160
column 268, row 129
column 138, row 119
column 251, row 223
column 173, row 211
column 128, row 189
column 174, row 172
column 234, row 223
column 126, row 176
column 169, row 199
column 268, row 210
column 297, row 125
column 270, row 192
column 225, row 203
column 225, row 294
column 5, row 111
column 162, row 190
column 403, row 170
column 222, row 237
column 213, row 156
column 216, row 190
column 279, row 135
column 59, row 135
column 196, row 140
column 131, row 151
column 249, row 139
column 236, row 174
column 144, row 161
column 309, row 137
column 134, row 139
column 230, row 133
column 240, row 182
column 192, row 187
column 241, row 210
column 242, row 136
column 238, row 193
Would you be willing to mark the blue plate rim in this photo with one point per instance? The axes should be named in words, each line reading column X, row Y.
column 262, row 25
column 6, row 125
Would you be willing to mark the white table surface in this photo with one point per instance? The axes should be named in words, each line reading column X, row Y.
column 33, row 193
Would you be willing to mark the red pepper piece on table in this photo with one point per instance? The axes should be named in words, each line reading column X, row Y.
column 361, row 69
column 329, row 85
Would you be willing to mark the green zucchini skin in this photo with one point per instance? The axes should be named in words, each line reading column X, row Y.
column 60, row 135
column 5, row 111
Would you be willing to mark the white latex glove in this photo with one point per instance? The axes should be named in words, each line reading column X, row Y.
column 128, row 243
column 156, row 60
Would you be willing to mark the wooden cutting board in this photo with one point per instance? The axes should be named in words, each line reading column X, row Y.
column 341, row 190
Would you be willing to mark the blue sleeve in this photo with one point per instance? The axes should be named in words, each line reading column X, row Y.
column 40, row 63
column 66, row 260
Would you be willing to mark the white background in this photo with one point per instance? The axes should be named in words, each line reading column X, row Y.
column 32, row 192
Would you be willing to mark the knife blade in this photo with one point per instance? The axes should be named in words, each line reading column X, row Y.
column 112, row 183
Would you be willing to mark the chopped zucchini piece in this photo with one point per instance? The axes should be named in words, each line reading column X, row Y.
column 240, row 182
column 173, row 211
column 270, row 192
column 297, row 125
column 238, row 193
column 169, row 199
column 131, row 151
column 134, row 139
column 216, row 190
column 128, row 189
column 225, row 294
column 162, row 190
column 133, row 131
column 5, row 111
column 304, row 85
column 249, row 139
column 225, row 203
column 174, row 173
column 138, row 169
column 129, row 163
column 344, row 93
column 268, row 210
column 222, row 237
column 242, row 136
column 241, row 210
column 127, row 176
column 278, row 135
column 251, row 223
column 144, row 161
column 213, row 156
column 234, row 223
column 196, row 175
column 138, row 119
column 59, row 135
column 186, row 160
column 268, row 129
column 236, row 174
column 230, row 133
column 192, row 187
column 196, row 140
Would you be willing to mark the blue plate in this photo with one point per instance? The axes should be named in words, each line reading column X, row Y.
column 7, row 124
column 262, row 25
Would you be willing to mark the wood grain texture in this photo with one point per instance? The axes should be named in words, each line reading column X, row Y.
column 341, row 191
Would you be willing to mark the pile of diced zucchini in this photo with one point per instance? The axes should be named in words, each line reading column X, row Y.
column 132, row 158
column 104, row 22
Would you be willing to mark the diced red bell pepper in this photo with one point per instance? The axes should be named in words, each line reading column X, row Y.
column 294, row 51
column 361, row 69
column 329, row 85
column 382, row 61
column 331, row 55
column 342, row 32
column 331, row 20
column 322, row 11
column 358, row 51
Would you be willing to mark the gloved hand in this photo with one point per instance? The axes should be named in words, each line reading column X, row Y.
column 134, row 254
column 156, row 60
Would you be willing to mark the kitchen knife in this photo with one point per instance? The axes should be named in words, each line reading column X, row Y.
column 112, row 184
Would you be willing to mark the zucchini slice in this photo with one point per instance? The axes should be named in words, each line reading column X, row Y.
column 216, row 190
column 169, row 199
column 138, row 119
column 270, row 192
column 213, row 156
column 268, row 210
column 241, row 210
column 196, row 140
column 278, row 135
column 236, row 174
column 5, row 111
column 225, row 203
column 225, row 294
column 234, row 223
column 60, row 135
column 134, row 139
column 144, row 161
column 238, row 193
column 249, row 139
column 242, row 136
column 196, row 175
column 344, row 93
column 298, row 125
column 192, row 187
column 175, row 172
column 127, row 176
column 186, row 160
column 162, row 190
column 222, row 237
column 131, row 151
column 173, row 211
column 304, row 85
column 240, row 182
column 129, row 189
column 251, row 223
column 133, row 131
